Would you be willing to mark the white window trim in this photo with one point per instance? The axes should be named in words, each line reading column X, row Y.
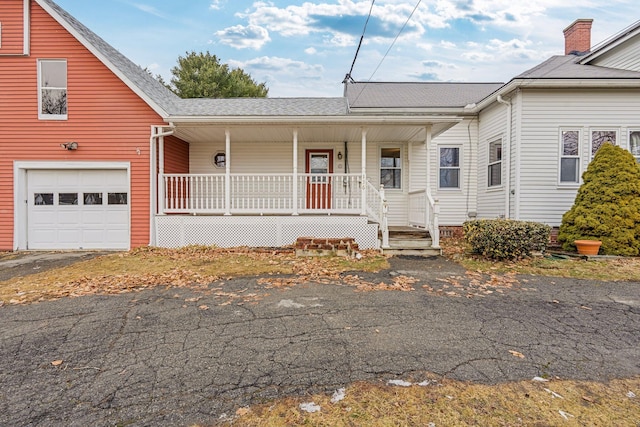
column 402, row 166
column 566, row 184
column 615, row 129
column 501, row 162
column 42, row 116
column 629, row 130
column 460, row 163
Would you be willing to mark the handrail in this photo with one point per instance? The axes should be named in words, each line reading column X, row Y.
column 434, row 227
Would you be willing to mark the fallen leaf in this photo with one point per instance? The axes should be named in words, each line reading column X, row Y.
column 584, row 307
column 243, row 411
column 517, row 354
column 57, row 362
column 204, row 307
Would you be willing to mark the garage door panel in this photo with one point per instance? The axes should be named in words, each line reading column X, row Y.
column 59, row 219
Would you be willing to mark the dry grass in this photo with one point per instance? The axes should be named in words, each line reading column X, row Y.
column 190, row 266
column 606, row 269
column 451, row 403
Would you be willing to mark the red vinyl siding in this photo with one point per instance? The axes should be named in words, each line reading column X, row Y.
column 107, row 120
column 176, row 155
column 12, row 22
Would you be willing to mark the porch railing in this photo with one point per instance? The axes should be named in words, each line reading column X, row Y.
column 424, row 212
column 262, row 194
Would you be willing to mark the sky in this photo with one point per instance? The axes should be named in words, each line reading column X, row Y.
column 306, row 48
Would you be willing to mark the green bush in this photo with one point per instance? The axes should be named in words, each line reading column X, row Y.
column 607, row 206
column 506, row 238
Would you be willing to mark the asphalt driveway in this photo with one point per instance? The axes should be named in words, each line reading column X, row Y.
column 178, row 356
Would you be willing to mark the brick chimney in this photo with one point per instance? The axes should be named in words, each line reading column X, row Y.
column 577, row 37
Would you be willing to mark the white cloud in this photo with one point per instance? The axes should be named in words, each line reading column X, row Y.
column 310, row 51
column 216, row 4
column 271, row 64
column 241, row 37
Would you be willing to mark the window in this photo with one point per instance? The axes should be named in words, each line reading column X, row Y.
column 117, row 198
column 449, row 167
column 599, row 137
column 219, row 159
column 67, row 199
column 634, row 144
column 92, row 199
column 52, row 96
column 43, row 199
column 390, row 168
column 495, row 163
column 570, row 157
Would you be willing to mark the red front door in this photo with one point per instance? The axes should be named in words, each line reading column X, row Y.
column 319, row 163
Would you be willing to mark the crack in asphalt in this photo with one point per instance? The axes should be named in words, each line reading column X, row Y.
column 158, row 357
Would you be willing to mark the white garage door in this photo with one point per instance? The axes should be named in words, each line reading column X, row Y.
column 77, row 209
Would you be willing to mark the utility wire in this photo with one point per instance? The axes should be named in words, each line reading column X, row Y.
column 348, row 76
column 386, row 53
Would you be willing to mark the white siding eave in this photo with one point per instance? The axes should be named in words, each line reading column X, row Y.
column 557, row 84
column 311, row 120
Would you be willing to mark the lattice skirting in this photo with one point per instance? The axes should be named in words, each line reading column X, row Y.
column 260, row 231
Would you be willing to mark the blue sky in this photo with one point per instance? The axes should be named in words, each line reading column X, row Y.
column 305, row 48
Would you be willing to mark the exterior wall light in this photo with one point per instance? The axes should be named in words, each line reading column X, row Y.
column 69, row 146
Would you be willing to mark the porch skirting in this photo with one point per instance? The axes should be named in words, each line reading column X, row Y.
column 260, row 231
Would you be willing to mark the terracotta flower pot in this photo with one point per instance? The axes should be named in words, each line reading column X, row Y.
column 588, row 247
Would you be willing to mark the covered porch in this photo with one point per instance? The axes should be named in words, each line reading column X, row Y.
column 260, row 183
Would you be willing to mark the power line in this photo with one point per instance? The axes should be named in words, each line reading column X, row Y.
column 348, row 76
column 395, row 39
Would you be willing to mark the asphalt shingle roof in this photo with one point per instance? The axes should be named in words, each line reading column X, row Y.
column 417, row 95
column 262, row 107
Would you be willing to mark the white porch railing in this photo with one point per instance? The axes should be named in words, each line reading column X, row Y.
column 263, row 194
column 424, row 212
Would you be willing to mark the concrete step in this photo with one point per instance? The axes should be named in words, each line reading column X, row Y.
column 425, row 252
column 404, row 243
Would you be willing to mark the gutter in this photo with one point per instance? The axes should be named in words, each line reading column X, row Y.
column 314, row 120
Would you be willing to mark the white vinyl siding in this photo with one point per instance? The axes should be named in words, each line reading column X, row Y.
column 493, row 125
column 456, row 204
column 569, row 168
column 624, row 57
column 544, row 112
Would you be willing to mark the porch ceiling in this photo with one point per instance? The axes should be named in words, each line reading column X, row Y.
column 200, row 132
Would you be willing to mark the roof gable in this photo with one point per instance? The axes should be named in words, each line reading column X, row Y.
column 612, row 43
column 156, row 95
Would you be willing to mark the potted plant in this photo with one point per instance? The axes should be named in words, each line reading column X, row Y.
column 588, row 247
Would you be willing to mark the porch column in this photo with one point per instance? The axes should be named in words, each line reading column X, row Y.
column 227, row 177
column 427, row 147
column 363, row 145
column 161, row 195
column 295, row 173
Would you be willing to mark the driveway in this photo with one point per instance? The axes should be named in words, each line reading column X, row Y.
column 177, row 357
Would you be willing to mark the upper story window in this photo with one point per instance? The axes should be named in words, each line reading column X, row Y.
column 599, row 137
column 495, row 163
column 449, row 176
column 634, row 144
column 570, row 157
column 52, row 93
column 390, row 168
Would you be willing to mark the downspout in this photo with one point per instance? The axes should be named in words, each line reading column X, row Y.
column 156, row 132
column 507, row 151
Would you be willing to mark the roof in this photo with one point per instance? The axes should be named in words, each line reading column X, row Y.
column 417, row 94
column 569, row 67
column 262, row 107
column 132, row 74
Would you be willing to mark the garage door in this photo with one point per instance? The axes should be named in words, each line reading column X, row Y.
column 77, row 209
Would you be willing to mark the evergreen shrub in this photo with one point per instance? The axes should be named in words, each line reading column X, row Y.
column 506, row 238
column 607, row 206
